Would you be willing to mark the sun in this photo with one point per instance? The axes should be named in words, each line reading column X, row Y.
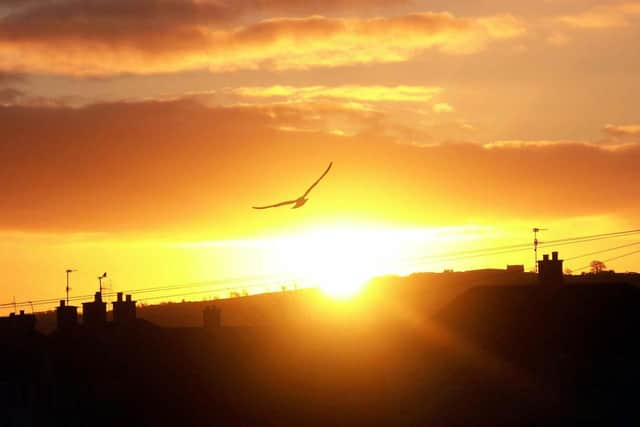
column 339, row 261
column 341, row 279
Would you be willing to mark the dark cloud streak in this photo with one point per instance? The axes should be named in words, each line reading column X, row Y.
column 97, row 37
column 11, row 78
column 162, row 165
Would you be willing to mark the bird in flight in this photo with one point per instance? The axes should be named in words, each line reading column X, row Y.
column 300, row 200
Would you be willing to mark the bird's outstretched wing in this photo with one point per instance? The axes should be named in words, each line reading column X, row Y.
column 288, row 202
column 317, row 181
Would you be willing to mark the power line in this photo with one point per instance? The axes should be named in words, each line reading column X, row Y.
column 183, row 294
column 451, row 256
column 477, row 255
column 473, row 252
column 238, row 281
column 508, row 249
column 215, row 290
column 82, row 297
column 602, row 251
column 622, row 256
column 499, row 250
column 586, row 240
column 604, row 235
column 611, row 259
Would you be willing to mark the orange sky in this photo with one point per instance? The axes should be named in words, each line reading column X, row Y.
column 136, row 135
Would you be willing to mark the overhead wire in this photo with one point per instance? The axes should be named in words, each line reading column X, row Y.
column 610, row 259
column 218, row 285
column 238, row 282
column 206, row 291
column 508, row 249
column 601, row 251
column 499, row 250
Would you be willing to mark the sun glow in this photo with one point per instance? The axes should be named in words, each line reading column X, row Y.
column 340, row 271
column 337, row 261
column 340, row 260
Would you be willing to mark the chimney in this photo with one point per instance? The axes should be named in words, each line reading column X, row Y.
column 550, row 270
column 21, row 312
column 66, row 316
column 124, row 311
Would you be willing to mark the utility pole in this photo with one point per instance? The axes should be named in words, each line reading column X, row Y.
column 68, row 271
column 536, row 230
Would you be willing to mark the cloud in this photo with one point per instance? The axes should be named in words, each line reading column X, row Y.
column 602, row 17
column 531, row 144
column 185, row 11
column 558, row 39
column 59, row 39
column 443, row 107
column 10, row 95
column 165, row 166
column 400, row 93
column 9, row 78
column 324, row 116
column 623, row 130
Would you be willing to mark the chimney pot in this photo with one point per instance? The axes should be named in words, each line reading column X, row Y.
column 554, row 254
column 62, row 303
column 545, row 257
column 129, row 298
column 119, row 296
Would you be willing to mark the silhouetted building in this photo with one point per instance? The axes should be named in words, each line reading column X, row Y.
column 94, row 314
column 211, row 318
column 66, row 316
column 17, row 324
column 124, row 311
column 515, row 268
column 550, row 270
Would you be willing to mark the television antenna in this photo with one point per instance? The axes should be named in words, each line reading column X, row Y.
column 536, row 230
column 68, row 271
column 107, row 287
column 102, row 276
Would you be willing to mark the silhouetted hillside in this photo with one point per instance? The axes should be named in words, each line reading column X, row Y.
column 590, row 318
column 425, row 293
column 492, row 355
column 575, row 341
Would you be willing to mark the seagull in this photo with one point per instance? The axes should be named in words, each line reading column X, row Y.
column 300, row 201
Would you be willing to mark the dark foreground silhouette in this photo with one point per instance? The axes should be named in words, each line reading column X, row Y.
column 300, row 201
column 494, row 355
